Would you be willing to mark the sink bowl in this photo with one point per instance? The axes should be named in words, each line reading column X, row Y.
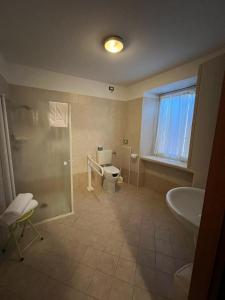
column 186, row 204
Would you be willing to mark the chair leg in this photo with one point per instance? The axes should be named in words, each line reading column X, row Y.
column 23, row 230
column 17, row 245
column 34, row 229
column 7, row 242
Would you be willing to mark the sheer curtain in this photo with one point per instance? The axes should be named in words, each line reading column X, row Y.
column 174, row 125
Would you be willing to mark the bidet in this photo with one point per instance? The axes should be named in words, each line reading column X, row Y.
column 186, row 204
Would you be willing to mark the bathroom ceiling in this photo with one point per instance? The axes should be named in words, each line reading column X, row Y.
column 66, row 36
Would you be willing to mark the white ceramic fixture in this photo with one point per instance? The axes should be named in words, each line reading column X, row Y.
column 186, row 204
column 111, row 173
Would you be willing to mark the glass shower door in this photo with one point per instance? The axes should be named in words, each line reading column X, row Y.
column 40, row 141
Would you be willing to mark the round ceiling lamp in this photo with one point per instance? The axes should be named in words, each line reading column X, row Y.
column 113, row 44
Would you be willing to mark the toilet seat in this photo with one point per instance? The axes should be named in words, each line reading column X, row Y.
column 111, row 170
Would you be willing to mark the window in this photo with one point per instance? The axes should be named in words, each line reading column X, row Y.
column 174, row 125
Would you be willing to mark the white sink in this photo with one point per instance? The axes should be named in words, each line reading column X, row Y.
column 186, row 204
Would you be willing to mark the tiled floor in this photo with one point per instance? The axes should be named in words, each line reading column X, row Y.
column 115, row 247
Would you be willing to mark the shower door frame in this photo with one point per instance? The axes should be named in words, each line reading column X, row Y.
column 71, row 159
column 71, row 171
column 6, row 150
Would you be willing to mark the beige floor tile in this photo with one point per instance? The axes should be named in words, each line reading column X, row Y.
column 180, row 250
column 147, row 229
column 7, row 294
column 81, row 278
column 118, row 234
column 91, row 257
column 145, row 277
column 100, row 286
column 113, row 247
column 74, row 249
column 162, row 234
column 66, row 293
column 146, row 257
column 121, row 290
column 107, row 263
column 148, row 243
column 129, row 252
column 141, row 294
column 133, row 223
column 128, row 224
column 56, row 266
column 165, row 285
column 126, row 270
column 8, row 268
column 163, row 247
column 132, row 238
column 28, row 283
column 165, row 263
column 98, row 241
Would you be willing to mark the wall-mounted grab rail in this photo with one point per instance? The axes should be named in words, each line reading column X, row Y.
column 92, row 164
column 99, row 169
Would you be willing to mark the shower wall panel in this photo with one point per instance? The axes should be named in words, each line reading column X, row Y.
column 41, row 152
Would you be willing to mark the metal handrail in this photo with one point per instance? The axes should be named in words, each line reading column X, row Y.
column 95, row 166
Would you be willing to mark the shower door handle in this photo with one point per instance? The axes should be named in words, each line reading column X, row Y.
column 67, row 162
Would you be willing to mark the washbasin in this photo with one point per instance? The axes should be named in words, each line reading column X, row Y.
column 186, row 204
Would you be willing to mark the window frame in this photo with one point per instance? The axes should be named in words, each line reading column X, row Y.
column 177, row 91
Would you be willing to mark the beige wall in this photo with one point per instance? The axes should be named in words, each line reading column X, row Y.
column 34, row 77
column 162, row 178
column 151, row 175
column 94, row 121
column 181, row 72
column 133, row 115
column 3, row 85
column 207, row 102
column 100, row 121
column 210, row 81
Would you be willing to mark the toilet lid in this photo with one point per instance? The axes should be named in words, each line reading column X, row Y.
column 111, row 170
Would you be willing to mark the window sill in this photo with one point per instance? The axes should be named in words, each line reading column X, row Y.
column 167, row 162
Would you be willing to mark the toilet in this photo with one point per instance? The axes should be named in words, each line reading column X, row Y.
column 111, row 173
column 182, row 280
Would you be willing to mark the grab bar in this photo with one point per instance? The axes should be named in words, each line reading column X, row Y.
column 92, row 164
column 95, row 166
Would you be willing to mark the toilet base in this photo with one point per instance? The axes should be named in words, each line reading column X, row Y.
column 109, row 186
column 182, row 280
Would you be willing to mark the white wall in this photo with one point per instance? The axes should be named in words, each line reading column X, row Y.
column 33, row 77
column 179, row 73
column 150, row 110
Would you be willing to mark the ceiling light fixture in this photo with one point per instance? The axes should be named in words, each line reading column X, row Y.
column 113, row 44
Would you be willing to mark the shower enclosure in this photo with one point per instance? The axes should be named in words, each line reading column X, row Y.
column 41, row 152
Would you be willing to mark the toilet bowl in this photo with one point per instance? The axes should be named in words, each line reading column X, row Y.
column 111, row 173
column 110, row 178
